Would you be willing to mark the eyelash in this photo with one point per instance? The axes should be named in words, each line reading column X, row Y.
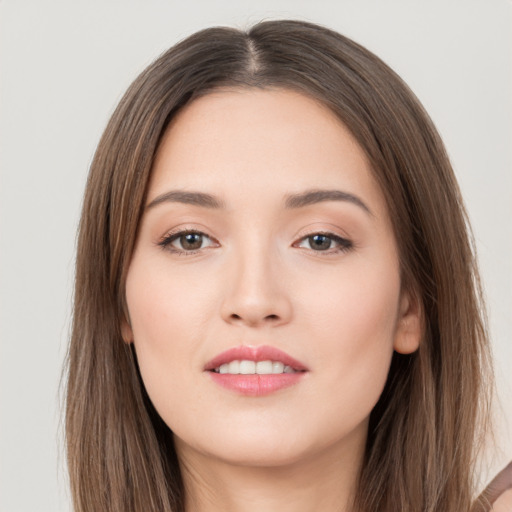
column 166, row 242
column 344, row 244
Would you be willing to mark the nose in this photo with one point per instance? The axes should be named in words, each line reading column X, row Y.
column 256, row 292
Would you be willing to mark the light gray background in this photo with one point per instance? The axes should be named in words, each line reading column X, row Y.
column 64, row 65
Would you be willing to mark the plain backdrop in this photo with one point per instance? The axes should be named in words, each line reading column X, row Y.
column 64, row 65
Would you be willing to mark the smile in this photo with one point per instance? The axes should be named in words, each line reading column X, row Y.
column 247, row 367
column 255, row 371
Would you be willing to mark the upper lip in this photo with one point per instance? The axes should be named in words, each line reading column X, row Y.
column 251, row 353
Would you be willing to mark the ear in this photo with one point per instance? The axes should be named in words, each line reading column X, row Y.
column 126, row 330
column 409, row 328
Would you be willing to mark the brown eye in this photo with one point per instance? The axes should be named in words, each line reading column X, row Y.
column 191, row 241
column 186, row 242
column 320, row 242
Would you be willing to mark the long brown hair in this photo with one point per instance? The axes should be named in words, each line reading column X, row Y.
column 423, row 432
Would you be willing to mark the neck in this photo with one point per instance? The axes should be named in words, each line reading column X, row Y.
column 325, row 482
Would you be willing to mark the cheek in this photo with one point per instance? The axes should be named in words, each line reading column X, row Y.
column 168, row 320
column 353, row 327
column 165, row 304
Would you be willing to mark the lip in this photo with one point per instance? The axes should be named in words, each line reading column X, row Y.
column 255, row 385
column 259, row 353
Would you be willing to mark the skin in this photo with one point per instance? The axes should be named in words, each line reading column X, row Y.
column 258, row 280
column 497, row 496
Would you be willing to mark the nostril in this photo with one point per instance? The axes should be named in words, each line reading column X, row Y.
column 268, row 318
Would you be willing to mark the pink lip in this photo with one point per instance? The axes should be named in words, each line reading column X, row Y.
column 255, row 385
column 260, row 353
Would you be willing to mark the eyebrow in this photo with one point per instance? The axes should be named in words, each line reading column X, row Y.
column 292, row 201
column 194, row 198
column 318, row 196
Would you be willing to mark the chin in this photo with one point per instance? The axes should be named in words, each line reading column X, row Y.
column 258, row 454
column 269, row 446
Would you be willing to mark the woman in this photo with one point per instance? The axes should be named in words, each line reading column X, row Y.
column 276, row 303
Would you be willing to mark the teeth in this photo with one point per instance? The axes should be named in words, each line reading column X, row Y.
column 264, row 367
column 233, row 367
column 277, row 367
column 246, row 367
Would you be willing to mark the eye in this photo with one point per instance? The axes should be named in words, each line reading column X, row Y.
column 186, row 242
column 320, row 242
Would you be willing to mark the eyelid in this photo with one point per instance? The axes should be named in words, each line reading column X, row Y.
column 165, row 241
column 344, row 244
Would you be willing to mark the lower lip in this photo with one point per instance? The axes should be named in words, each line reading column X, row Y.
column 256, row 385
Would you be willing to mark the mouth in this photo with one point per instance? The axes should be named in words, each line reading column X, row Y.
column 255, row 371
column 248, row 367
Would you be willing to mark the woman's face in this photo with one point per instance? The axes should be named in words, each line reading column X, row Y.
column 265, row 238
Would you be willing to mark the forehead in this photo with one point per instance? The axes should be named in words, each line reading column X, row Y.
column 260, row 141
